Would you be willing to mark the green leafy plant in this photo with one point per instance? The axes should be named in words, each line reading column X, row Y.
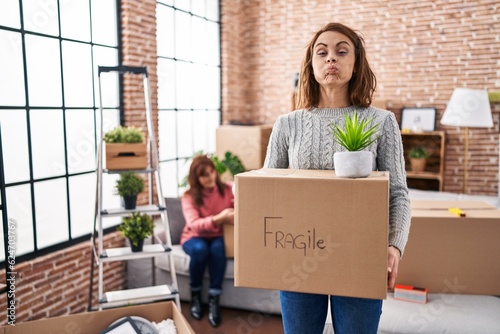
column 356, row 134
column 122, row 134
column 136, row 227
column 418, row 152
column 129, row 184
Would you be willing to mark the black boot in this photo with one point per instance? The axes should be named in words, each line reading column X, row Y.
column 213, row 311
column 195, row 308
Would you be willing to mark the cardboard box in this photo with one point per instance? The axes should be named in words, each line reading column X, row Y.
column 95, row 322
column 310, row 231
column 126, row 156
column 228, row 231
column 450, row 254
column 248, row 142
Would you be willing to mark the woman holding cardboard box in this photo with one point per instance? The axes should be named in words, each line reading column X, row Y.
column 336, row 80
column 207, row 205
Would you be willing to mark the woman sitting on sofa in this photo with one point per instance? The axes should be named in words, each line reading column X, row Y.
column 207, row 205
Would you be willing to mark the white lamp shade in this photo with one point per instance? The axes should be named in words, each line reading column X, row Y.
column 468, row 108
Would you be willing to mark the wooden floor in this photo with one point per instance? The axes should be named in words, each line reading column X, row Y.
column 235, row 322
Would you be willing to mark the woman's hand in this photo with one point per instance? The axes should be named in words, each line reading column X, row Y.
column 394, row 255
column 226, row 216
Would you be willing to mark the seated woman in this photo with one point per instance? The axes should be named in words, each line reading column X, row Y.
column 207, row 205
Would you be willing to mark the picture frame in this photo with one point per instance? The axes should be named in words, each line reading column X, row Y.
column 416, row 119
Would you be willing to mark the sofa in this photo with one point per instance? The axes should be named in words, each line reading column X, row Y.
column 139, row 271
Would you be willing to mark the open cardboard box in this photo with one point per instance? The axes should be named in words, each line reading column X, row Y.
column 248, row 142
column 311, row 231
column 95, row 322
column 451, row 254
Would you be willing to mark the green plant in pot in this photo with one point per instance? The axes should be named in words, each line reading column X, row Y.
column 418, row 158
column 125, row 148
column 120, row 134
column 136, row 227
column 128, row 186
column 356, row 135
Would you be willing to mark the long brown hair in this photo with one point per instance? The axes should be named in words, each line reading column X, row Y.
column 197, row 169
column 362, row 84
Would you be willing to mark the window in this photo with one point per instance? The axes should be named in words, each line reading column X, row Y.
column 48, row 105
column 189, row 87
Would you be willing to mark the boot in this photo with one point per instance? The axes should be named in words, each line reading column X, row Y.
column 195, row 308
column 213, row 311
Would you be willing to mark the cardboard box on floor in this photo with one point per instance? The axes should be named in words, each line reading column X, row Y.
column 248, row 142
column 95, row 322
column 228, row 231
column 450, row 254
column 310, row 231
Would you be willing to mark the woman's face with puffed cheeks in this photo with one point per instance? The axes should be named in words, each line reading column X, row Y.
column 208, row 177
column 333, row 59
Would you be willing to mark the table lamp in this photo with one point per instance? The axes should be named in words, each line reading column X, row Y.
column 468, row 108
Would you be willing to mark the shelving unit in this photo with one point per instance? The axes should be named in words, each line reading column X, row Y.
column 101, row 255
column 433, row 176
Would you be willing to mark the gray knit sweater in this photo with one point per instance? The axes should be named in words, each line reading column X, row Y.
column 302, row 140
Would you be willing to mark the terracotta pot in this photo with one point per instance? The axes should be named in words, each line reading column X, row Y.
column 418, row 165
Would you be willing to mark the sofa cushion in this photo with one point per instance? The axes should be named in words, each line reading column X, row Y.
column 175, row 218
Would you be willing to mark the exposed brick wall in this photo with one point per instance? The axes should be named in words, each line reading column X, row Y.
column 58, row 283
column 420, row 51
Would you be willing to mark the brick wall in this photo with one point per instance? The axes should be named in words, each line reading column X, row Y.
column 420, row 51
column 58, row 283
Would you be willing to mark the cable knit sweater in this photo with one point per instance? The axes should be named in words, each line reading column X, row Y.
column 302, row 140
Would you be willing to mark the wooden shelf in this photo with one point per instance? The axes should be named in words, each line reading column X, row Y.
column 433, row 176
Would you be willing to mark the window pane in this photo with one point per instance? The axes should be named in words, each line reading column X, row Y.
column 198, row 7
column 185, row 124
column 80, row 138
column 184, row 85
column 167, row 2
column 111, row 119
column 75, row 19
column 82, row 208
column 183, row 171
column 200, row 42
column 165, row 31
column 11, row 67
column 51, row 212
column 41, row 16
column 169, row 184
column 212, row 124
column 212, row 44
column 213, row 88
column 109, row 81
column 213, row 10
column 166, row 84
column 167, row 134
column 15, row 154
column 19, row 209
column 104, row 22
column 44, row 71
column 183, row 4
column 200, row 128
column 77, row 69
column 47, row 139
column 9, row 15
column 182, row 35
column 109, row 199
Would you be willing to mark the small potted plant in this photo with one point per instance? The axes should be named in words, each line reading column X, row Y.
column 418, row 158
column 136, row 227
column 354, row 137
column 128, row 186
column 125, row 148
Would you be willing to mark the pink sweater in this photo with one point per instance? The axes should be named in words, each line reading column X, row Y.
column 199, row 219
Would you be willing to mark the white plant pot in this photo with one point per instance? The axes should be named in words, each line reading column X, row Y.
column 353, row 164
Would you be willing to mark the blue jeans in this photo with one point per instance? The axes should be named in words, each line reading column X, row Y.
column 204, row 251
column 306, row 313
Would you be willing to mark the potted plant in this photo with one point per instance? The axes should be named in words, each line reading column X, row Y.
column 354, row 137
column 125, row 148
column 128, row 186
column 418, row 158
column 136, row 227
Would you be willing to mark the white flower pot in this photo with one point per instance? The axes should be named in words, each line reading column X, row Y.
column 353, row 164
